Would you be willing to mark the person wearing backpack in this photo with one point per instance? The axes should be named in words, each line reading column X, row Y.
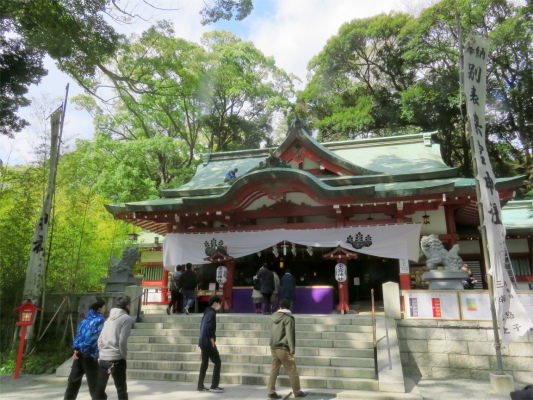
column 176, row 297
column 86, row 351
column 257, row 297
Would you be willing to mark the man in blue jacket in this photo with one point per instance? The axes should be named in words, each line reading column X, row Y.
column 208, row 329
column 86, row 351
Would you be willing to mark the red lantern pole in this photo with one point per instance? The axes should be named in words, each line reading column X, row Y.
column 21, row 349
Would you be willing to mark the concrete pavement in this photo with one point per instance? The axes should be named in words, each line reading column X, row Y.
column 47, row 387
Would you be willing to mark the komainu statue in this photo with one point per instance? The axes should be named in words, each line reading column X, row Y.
column 437, row 255
column 124, row 266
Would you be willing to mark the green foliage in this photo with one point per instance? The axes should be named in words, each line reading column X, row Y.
column 180, row 99
column 73, row 32
column 223, row 9
column 45, row 360
column 390, row 73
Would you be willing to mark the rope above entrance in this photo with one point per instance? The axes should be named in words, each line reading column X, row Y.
column 389, row 241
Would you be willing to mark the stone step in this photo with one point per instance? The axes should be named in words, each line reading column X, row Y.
column 252, row 334
column 265, row 325
column 255, row 359
column 246, row 341
column 265, row 350
column 263, row 369
column 258, row 379
column 255, row 318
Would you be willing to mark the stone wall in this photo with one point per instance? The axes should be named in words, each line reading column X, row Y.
column 460, row 349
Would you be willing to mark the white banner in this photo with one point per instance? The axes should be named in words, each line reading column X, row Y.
column 513, row 320
column 390, row 241
column 34, row 273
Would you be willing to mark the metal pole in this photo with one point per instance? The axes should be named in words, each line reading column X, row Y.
column 374, row 335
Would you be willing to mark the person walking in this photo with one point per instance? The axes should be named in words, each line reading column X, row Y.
column 208, row 337
column 176, row 297
column 113, row 348
column 282, row 348
column 86, row 351
column 267, row 286
column 187, row 282
column 288, row 288
column 256, row 295
column 275, row 296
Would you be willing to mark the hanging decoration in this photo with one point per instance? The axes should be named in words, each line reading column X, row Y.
column 293, row 249
column 310, row 250
column 275, row 251
column 513, row 320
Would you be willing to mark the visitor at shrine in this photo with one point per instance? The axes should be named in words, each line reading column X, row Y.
column 470, row 282
column 231, row 175
column 187, row 283
column 86, row 351
column 267, row 287
column 208, row 337
column 288, row 288
column 275, row 297
column 257, row 297
column 282, row 347
column 113, row 348
column 176, row 297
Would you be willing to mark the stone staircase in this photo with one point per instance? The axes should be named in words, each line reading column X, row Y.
column 332, row 352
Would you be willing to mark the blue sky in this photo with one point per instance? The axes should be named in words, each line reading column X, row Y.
column 292, row 31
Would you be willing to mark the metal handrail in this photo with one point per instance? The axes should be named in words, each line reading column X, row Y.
column 140, row 303
column 374, row 335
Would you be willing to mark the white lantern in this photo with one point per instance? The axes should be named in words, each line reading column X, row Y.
column 340, row 272
column 222, row 275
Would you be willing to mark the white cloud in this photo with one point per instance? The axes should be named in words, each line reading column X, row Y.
column 299, row 29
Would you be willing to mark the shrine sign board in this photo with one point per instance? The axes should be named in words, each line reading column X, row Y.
column 475, row 306
column 443, row 305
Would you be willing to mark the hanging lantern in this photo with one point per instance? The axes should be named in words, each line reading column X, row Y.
column 425, row 218
column 222, row 275
column 340, row 272
column 369, row 218
column 156, row 240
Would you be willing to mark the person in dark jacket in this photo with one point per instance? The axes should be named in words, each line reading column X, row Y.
column 470, row 282
column 86, row 351
column 267, row 286
column 176, row 297
column 288, row 288
column 282, row 347
column 208, row 329
column 187, row 283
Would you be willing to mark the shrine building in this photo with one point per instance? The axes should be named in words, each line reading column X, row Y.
column 307, row 206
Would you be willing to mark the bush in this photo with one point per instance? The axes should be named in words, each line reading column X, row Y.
column 44, row 360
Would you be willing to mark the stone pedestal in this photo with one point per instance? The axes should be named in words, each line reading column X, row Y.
column 502, row 383
column 445, row 280
column 391, row 300
column 118, row 283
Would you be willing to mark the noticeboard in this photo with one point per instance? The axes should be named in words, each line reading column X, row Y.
column 475, row 306
column 442, row 305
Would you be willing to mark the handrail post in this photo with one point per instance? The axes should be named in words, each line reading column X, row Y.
column 374, row 335
column 139, row 307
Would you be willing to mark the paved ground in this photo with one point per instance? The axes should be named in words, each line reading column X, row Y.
column 47, row 387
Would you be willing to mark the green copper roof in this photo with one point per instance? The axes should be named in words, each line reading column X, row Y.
column 518, row 215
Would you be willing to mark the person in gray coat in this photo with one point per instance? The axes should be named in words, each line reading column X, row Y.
column 267, row 286
column 288, row 288
column 113, row 349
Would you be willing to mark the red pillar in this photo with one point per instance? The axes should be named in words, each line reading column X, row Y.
column 21, row 350
column 343, row 289
column 227, row 293
column 164, row 293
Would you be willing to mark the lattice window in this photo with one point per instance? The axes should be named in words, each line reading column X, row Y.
column 152, row 273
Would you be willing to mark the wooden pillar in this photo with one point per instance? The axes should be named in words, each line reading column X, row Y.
column 164, row 296
column 343, row 289
column 228, row 286
column 449, row 214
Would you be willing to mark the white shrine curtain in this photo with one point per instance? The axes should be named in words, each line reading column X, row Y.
column 390, row 241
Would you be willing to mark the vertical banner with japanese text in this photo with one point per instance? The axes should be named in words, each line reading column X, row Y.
column 513, row 320
column 34, row 273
